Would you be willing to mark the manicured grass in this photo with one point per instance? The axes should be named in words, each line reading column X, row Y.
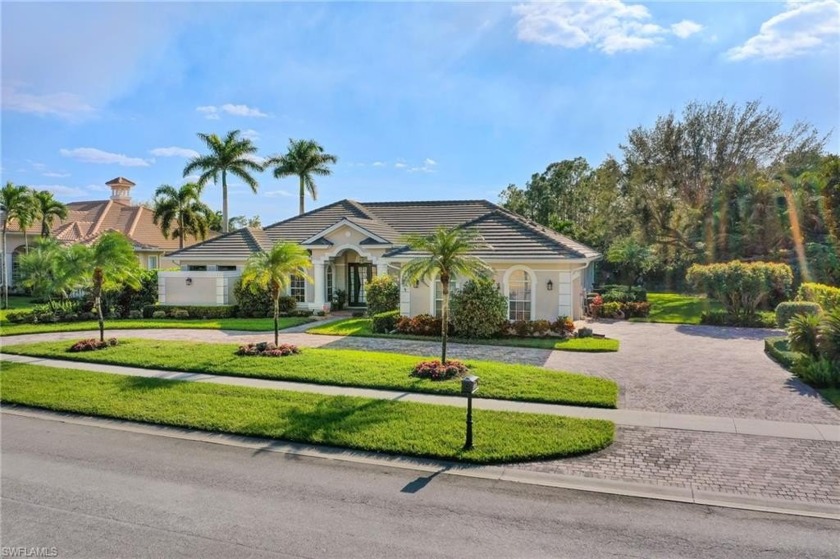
column 676, row 308
column 247, row 324
column 343, row 368
column 359, row 423
column 362, row 327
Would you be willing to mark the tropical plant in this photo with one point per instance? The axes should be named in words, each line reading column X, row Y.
column 632, row 258
column 41, row 269
column 304, row 158
column 445, row 254
column 803, row 333
column 273, row 270
column 741, row 287
column 234, row 155
column 15, row 205
column 479, row 309
column 183, row 208
column 382, row 294
column 47, row 209
column 828, row 341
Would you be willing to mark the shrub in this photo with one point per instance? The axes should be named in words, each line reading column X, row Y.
column 194, row 311
column 435, row 370
column 478, row 309
column 180, row 313
column 339, row 299
column 637, row 294
column 584, row 332
column 723, row 318
column 20, row 316
column 159, row 314
column 610, row 310
column 818, row 372
column 135, row 314
column 635, row 310
column 828, row 339
column 741, row 287
column 267, row 349
column 384, row 322
column 540, row 327
column 803, row 331
column 825, row 296
column 522, row 328
column 563, row 325
column 92, row 344
column 618, row 296
column 382, row 294
column 786, row 311
column 258, row 304
column 125, row 299
column 420, row 325
column 595, row 306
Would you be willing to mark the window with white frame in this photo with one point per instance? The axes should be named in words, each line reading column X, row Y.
column 453, row 286
column 330, row 282
column 153, row 262
column 519, row 295
column 297, row 288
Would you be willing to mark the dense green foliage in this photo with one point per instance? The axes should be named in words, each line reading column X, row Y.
column 180, row 212
column 742, row 287
column 367, row 369
column 787, row 310
column 803, row 331
column 384, row 322
column 478, row 309
column 257, row 303
column 825, row 296
column 305, row 159
column 364, row 424
column 382, row 294
column 193, row 311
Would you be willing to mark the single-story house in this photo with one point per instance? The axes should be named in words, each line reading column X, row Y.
column 542, row 273
column 87, row 221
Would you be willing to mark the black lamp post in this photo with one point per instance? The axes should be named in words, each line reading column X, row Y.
column 469, row 386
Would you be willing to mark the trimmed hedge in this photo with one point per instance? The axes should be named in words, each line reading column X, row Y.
column 258, row 304
column 723, row 318
column 779, row 350
column 611, row 293
column 826, row 296
column 478, row 309
column 382, row 294
column 384, row 322
column 787, row 310
column 192, row 311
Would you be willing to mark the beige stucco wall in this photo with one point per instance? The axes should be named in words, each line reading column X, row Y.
column 196, row 288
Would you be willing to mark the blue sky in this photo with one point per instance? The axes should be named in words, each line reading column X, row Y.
column 418, row 100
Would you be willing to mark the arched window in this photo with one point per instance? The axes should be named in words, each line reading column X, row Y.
column 519, row 295
column 16, row 254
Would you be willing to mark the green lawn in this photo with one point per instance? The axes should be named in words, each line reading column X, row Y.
column 362, row 327
column 359, row 423
column 16, row 303
column 343, row 368
column 248, row 324
column 676, row 308
column 832, row 395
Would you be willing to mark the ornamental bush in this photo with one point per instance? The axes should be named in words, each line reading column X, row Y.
column 563, row 325
column 825, row 296
column 435, row 370
column 267, row 349
column 787, row 310
column 382, row 294
column 384, row 322
column 742, row 287
column 420, row 325
column 92, row 344
column 478, row 310
column 258, row 304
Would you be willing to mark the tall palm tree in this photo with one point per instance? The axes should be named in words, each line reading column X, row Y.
column 273, row 270
column 304, row 158
column 446, row 253
column 15, row 205
column 108, row 264
column 232, row 155
column 183, row 208
column 47, row 209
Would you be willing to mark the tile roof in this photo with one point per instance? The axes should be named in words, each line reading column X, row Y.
column 506, row 235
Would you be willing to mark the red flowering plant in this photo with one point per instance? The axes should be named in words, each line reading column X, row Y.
column 267, row 349
column 435, row 370
column 92, row 344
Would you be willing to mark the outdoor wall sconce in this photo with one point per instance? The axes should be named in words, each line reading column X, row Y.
column 549, row 285
column 189, row 281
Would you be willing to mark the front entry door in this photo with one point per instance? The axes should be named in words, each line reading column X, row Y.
column 357, row 276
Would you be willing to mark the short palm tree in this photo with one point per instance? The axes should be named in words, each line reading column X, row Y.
column 183, row 209
column 232, row 155
column 273, row 270
column 447, row 255
column 47, row 209
column 42, row 270
column 15, row 205
column 304, row 158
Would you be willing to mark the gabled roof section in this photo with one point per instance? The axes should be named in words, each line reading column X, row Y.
column 241, row 243
column 120, row 181
column 302, row 227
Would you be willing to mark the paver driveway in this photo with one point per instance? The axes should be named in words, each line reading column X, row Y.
column 700, row 370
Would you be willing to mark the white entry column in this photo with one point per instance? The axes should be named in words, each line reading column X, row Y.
column 320, row 285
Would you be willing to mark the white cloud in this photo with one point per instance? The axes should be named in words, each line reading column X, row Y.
column 210, row 112
column 213, row 112
column 93, row 155
column 428, row 166
column 56, row 175
column 277, row 194
column 610, row 26
column 174, row 151
column 429, row 162
column 61, row 190
column 686, row 28
column 378, row 164
column 251, row 134
column 63, row 105
column 256, row 159
column 800, row 29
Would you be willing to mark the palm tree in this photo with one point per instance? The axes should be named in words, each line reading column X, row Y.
column 447, row 255
column 183, row 208
column 108, row 264
column 304, row 158
column 232, row 155
column 47, row 209
column 14, row 205
column 273, row 270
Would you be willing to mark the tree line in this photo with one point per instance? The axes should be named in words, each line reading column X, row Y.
column 717, row 182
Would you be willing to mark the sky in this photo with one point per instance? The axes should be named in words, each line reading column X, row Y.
column 419, row 101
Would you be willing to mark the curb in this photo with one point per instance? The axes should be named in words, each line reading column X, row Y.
column 440, row 467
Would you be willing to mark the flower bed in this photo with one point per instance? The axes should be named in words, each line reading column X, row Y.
column 435, row 370
column 267, row 349
column 92, row 345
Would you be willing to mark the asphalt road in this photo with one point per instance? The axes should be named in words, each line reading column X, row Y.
column 92, row 492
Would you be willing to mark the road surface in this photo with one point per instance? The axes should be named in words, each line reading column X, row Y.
column 92, row 492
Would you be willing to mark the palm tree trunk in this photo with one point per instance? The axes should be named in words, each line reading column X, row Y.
column 45, row 231
column 97, row 301
column 302, row 193
column 444, row 312
column 277, row 318
column 3, row 270
column 224, row 203
column 180, row 231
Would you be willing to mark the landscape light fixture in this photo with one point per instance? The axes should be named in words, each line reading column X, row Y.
column 469, row 386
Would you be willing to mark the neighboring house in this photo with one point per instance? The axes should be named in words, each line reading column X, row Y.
column 542, row 273
column 86, row 221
